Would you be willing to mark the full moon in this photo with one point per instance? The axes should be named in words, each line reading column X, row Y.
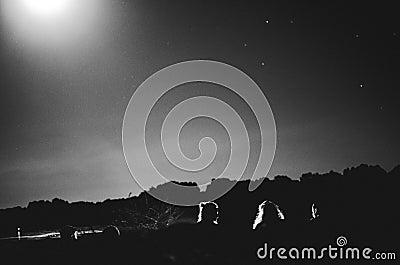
column 47, row 7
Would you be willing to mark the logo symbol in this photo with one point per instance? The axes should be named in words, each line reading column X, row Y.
column 205, row 93
column 341, row 241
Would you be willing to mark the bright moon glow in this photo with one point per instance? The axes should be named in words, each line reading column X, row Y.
column 47, row 7
column 61, row 27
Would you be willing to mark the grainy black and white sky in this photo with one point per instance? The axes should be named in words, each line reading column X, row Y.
column 330, row 71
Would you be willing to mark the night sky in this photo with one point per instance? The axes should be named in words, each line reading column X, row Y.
column 330, row 71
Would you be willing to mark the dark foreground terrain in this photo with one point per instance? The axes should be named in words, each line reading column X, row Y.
column 359, row 206
column 194, row 244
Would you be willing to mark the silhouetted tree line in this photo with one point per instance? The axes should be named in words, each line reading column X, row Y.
column 361, row 201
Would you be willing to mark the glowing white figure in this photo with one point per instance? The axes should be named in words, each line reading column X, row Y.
column 260, row 213
column 200, row 216
column 314, row 212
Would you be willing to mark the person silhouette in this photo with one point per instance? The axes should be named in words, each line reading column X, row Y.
column 208, row 213
column 314, row 212
column 269, row 214
column 207, row 231
column 189, row 241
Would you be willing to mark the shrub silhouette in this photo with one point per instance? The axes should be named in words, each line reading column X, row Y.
column 111, row 232
column 68, row 233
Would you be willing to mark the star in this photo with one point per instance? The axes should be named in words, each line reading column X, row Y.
column 262, row 63
column 245, row 44
column 361, row 85
column 357, row 35
column 267, row 21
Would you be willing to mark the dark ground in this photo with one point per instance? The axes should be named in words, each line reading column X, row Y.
column 361, row 204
